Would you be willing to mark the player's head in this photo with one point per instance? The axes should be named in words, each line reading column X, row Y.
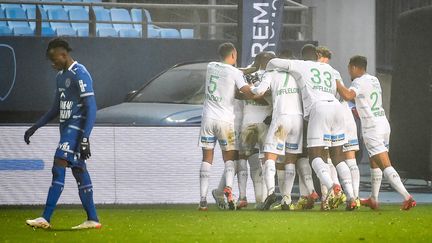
column 286, row 54
column 262, row 59
column 228, row 53
column 58, row 53
column 324, row 54
column 309, row 53
column 357, row 66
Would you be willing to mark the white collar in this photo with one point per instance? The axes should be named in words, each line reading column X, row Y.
column 70, row 67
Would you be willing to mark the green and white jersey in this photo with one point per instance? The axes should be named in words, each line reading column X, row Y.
column 221, row 82
column 316, row 80
column 369, row 103
column 254, row 111
column 285, row 92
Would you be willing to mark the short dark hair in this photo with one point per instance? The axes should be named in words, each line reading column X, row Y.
column 225, row 49
column 324, row 52
column 58, row 43
column 358, row 61
column 286, row 54
column 309, row 52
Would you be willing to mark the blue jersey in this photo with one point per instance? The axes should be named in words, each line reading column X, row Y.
column 73, row 85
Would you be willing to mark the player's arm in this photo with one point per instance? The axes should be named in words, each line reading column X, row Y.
column 52, row 113
column 264, row 85
column 244, row 88
column 89, row 104
column 279, row 64
column 346, row 94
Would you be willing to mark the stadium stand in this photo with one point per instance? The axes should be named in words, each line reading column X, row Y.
column 27, row 12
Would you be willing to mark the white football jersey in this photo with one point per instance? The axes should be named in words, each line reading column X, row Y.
column 221, row 82
column 344, row 103
column 254, row 111
column 369, row 104
column 286, row 97
column 316, row 80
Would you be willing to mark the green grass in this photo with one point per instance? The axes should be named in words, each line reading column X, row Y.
column 183, row 223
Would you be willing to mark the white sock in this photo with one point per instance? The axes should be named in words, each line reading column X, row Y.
column 281, row 181
column 355, row 175
column 322, row 171
column 376, row 178
column 221, row 185
column 229, row 173
column 242, row 176
column 204, row 179
column 290, row 174
column 302, row 186
column 393, row 177
column 269, row 175
column 346, row 181
column 305, row 172
column 333, row 172
column 256, row 175
column 324, row 191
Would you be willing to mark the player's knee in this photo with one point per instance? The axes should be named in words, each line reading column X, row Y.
column 59, row 174
column 241, row 165
column 60, row 162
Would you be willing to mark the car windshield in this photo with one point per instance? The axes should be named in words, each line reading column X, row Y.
column 180, row 85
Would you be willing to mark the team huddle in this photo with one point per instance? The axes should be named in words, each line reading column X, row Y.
column 287, row 117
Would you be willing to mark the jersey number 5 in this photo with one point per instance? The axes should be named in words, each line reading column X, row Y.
column 212, row 85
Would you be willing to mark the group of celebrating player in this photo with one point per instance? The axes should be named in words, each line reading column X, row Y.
column 257, row 115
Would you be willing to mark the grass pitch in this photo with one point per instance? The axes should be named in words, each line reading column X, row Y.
column 183, row 223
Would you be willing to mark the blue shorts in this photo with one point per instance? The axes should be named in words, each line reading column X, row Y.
column 68, row 147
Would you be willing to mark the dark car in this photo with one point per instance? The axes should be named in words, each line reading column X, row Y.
column 174, row 97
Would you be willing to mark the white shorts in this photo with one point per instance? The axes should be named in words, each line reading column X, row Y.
column 326, row 127
column 376, row 143
column 251, row 136
column 215, row 130
column 285, row 135
column 352, row 143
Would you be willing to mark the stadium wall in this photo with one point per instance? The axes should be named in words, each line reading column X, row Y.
column 129, row 165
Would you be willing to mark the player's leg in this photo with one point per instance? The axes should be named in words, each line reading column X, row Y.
column 255, row 167
column 350, row 160
column 350, row 149
column 57, row 184
column 336, row 154
column 85, row 191
column 242, row 176
column 247, row 140
column 218, row 194
column 207, row 140
column 290, row 174
column 383, row 160
column 376, row 178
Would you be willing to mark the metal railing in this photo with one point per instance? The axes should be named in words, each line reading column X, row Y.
column 196, row 23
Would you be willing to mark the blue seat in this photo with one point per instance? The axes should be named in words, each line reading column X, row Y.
column 83, row 32
column 2, row 15
column 107, row 32
column 48, row 31
column 152, row 31
column 103, row 15
column 169, row 33
column 65, row 31
column 119, row 14
column 26, row 7
column 69, row 7
column 5, row 31
column 187, row 33
column 23, row 31
column 92, row 1
column 58, row 14
column 16, row 13
column 46, row 7
column 129, row 33
column 79, row 14
column 9, row 5
column 31, row 14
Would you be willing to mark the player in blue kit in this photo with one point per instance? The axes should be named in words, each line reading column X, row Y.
column 75, row 104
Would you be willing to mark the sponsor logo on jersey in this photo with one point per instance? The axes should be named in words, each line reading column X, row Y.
column 253, row 102
column 67, row 82
column 287, row 91
column 64, row 146
column 323, row 89
column 65, row 109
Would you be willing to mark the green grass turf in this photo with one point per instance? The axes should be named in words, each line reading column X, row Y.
column 183, row 223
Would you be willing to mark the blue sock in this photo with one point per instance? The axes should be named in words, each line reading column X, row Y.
column 85, row 190
column 54, row 191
